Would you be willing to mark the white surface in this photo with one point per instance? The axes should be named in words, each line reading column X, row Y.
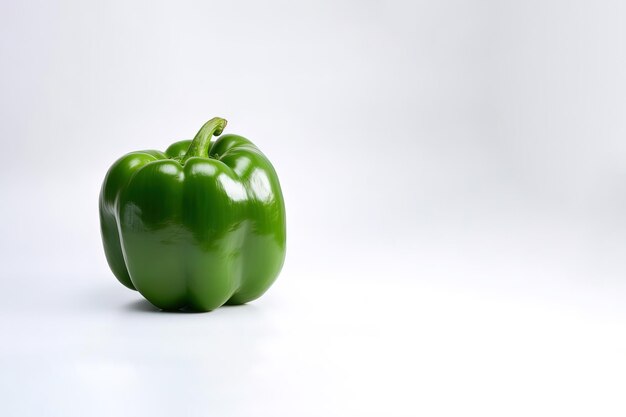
column 454, row 174
column 317, row 346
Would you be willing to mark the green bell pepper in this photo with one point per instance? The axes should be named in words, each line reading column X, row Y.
column 198, row 226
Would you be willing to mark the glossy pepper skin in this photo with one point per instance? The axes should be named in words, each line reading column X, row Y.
column 197, row 226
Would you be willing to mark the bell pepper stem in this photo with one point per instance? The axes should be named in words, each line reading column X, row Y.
column 200, row 144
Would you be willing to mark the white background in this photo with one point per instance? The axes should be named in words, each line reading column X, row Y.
column 455, row 181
